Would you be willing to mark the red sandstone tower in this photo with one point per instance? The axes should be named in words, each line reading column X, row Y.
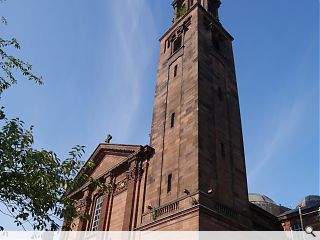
column 193, row 177
column 196, row 127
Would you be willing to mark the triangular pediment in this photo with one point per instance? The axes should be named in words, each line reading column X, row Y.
column 107, row 157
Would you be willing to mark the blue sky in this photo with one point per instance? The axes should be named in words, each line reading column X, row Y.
column 99, row 62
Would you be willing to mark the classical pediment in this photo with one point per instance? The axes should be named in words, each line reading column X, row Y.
column 109, row 158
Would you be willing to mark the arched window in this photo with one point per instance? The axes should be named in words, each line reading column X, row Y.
column 97, row 214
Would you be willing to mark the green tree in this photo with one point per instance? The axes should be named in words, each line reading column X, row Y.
column 32, row 182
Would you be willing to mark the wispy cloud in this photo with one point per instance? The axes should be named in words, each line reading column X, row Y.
column 288, row 123
column 133, row 24
column 289, row 119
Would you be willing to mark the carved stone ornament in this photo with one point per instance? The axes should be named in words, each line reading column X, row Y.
column 132, row 173
column 121, row 186
column 180, row 30
column 81, row 205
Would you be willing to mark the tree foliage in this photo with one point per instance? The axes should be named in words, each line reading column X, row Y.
column 32, row 182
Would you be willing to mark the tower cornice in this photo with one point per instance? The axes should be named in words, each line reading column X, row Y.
column 179, row 21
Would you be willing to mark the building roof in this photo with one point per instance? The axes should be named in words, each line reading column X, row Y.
column 307, row 202
column 267, row 204
column 259, row 198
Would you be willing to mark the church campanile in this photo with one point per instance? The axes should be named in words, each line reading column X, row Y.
column 196, row 127
column 193, row 175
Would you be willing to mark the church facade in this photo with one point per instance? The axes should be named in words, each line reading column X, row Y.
column 192, row 177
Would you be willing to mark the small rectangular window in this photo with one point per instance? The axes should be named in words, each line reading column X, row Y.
column 223, row 153
column 175, row 70
column 169, row 186
column 172, row 120
column 220, row 94
column 177, row 44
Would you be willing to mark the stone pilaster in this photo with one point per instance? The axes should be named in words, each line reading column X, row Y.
column 105, row 205
column 132, row 176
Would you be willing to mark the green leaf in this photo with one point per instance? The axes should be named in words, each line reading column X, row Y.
column 33, row 181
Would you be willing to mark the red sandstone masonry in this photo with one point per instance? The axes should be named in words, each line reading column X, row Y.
column 203, row 151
